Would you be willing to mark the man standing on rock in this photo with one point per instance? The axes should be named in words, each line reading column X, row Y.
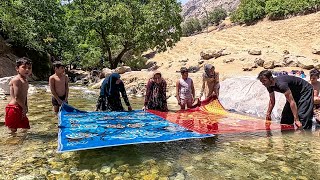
column 299, row 94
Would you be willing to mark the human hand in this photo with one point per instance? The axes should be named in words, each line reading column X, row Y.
column 129, row 108
column 145, row 108
column 59, row 101
column 297, row 123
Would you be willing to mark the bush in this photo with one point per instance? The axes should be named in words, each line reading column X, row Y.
column 191, row 26
column 279, row 9
column 249, row 11
column 217, row 15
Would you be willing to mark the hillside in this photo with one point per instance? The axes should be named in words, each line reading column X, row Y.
column 196, row 8
column 297, row 35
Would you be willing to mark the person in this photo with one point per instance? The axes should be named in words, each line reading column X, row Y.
column 17, row 108
column 59, row 86
column 210, row 78
column 109, row 99
column 314, row 76
column 298, row 109
column 185, row 92
column 156, row 98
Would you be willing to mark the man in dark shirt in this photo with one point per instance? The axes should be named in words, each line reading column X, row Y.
column 299, row 94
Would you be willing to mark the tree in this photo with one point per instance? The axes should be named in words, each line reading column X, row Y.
column 36, row 25
column 217, row 15
column 118, row 26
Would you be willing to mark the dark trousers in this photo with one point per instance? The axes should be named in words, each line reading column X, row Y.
column 305, row 110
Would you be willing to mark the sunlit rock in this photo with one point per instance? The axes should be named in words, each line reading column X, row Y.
column 4, row 84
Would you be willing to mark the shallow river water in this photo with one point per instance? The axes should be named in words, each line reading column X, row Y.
column 276, row 155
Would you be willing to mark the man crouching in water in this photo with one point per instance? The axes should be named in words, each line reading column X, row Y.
column 298, row 109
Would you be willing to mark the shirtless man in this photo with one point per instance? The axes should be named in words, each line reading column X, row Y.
column 17, row 108
column 59, row 86
column 211, row 78
column 314, row 76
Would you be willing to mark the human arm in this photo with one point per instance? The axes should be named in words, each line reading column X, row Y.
column 202, row 87
column 124, row 95
column 192, row 90
column 16, row 85
column 293, row 107
column 53, row 91
column 164, row 95
column 316, row 97
column 67, row 87
column 270, row 106
column 148, row 93
column 178, row 91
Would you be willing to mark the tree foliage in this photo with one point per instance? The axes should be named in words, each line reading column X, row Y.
column 217, row 15
column 253, row 10
column 118, row 26
column 191, row 26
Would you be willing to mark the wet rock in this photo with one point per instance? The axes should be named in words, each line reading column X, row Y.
column 179, row 176
column 27, row 177
column 106, row 169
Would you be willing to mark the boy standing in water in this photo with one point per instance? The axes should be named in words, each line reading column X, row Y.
column 59, row 86
column 185, row 90
column 314, row 76
column 17, row 108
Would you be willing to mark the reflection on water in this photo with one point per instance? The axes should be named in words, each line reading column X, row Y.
column 290, row 155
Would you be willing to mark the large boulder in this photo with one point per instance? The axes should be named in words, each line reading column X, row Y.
column 4, row 84
column 248, row 95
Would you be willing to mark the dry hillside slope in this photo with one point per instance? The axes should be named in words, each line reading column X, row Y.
column 297, row 35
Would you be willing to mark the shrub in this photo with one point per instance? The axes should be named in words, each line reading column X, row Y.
column 217, row 15
column 191, row 26
column 249, row 11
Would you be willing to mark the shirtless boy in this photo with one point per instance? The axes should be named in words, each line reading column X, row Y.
column 59, row 86
column 314, row 76
column 17, row 108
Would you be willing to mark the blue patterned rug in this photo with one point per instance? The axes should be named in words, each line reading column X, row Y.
column 79, row 130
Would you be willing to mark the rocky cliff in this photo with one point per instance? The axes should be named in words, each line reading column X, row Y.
column 197, row 8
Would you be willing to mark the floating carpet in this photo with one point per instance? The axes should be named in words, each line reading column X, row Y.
column 80, row 130
column 211, row 118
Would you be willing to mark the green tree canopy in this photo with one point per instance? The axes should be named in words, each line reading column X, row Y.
column 112, row 28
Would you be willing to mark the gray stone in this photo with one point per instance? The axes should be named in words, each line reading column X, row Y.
column 254, row 52
column 4, row 84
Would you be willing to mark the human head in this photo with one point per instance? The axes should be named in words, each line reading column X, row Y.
column 157, row 76
column 184, row 72
column 266, row 78
column 58, row 67
column 24, row 66
column 115, row 78
column 209, row 69
column 314, row 75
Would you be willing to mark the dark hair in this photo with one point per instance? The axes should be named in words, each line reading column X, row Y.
column 314, row 72
column 183, row 70
column 23, row 61
column 57, row 64
column 265, row 73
